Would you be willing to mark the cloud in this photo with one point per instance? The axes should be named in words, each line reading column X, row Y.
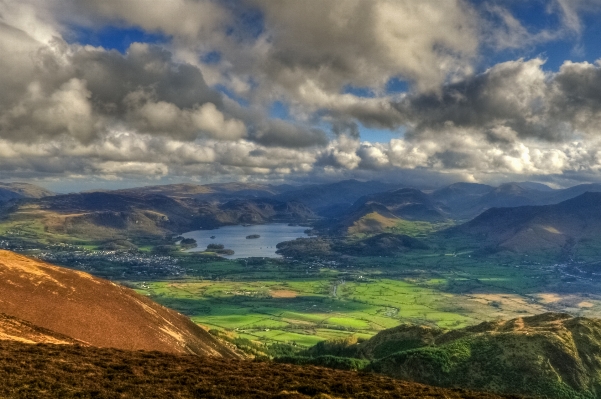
column 160, row 112
column 513, row 101
column 512, row 95
column 277, row 132
column 189, row 19
column 366, row 42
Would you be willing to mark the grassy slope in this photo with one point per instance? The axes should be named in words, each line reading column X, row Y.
column 551, row 355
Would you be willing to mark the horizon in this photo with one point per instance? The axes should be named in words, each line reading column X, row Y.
column 425, row 188
column 117, row 95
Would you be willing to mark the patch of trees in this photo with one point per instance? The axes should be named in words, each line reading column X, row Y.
column 219, row 249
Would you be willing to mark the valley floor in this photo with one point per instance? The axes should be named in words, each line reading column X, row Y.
column 306, row 302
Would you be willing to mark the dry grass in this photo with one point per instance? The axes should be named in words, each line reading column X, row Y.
column 65, row 371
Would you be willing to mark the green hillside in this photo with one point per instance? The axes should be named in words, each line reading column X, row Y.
column 552, row 355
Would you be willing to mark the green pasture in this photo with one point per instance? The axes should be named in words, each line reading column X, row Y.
column 335, row 304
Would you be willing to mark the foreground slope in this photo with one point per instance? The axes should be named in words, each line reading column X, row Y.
column 96, row 311
column 50, row 371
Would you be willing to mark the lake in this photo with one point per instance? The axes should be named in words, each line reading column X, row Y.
column 234, row 238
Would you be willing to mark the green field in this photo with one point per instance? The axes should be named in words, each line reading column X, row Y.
column 304, row 303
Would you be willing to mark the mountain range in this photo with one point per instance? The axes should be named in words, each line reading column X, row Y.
column 517, row 217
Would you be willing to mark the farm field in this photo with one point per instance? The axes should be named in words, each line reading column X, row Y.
column 271, row 303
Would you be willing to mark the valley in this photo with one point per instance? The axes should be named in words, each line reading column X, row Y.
column 305, row 302
column 362, row 267
column 403, row 258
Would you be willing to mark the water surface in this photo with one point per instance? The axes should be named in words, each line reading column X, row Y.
column 234, row 238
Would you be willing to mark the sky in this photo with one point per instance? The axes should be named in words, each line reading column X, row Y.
column 121, row 93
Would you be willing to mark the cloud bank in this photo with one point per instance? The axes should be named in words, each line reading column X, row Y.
column 198, row 105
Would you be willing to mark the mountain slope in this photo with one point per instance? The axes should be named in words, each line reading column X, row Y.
column 381, row 212
column 330, row 200
column 550, row 355
column 96, row 311
column 569, row 225
column 15, row 329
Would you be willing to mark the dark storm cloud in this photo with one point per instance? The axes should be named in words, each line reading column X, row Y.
column 111, row 76
column 277, row 132
column 513, row 101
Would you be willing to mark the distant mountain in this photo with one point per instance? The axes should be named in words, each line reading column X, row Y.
column 217, row 191
column 510, row 195
column 535, row 186
column 112, row 216
column 551, row 355
column 252, row 211
column 565, row 194
column 9, row 191
column 94, row 311
column 377, row 213
column 467, row 200
column 405, row 203
column 566, row 226
column 330, row 200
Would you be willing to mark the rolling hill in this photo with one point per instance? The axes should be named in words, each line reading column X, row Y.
column 9, row 191
column 95, row 311
column 552, row 355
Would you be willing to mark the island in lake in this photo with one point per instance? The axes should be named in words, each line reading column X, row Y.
column 253, row 236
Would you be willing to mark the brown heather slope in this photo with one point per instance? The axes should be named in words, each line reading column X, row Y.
column 96, row 311
column 70, row 371
column 14, row 329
